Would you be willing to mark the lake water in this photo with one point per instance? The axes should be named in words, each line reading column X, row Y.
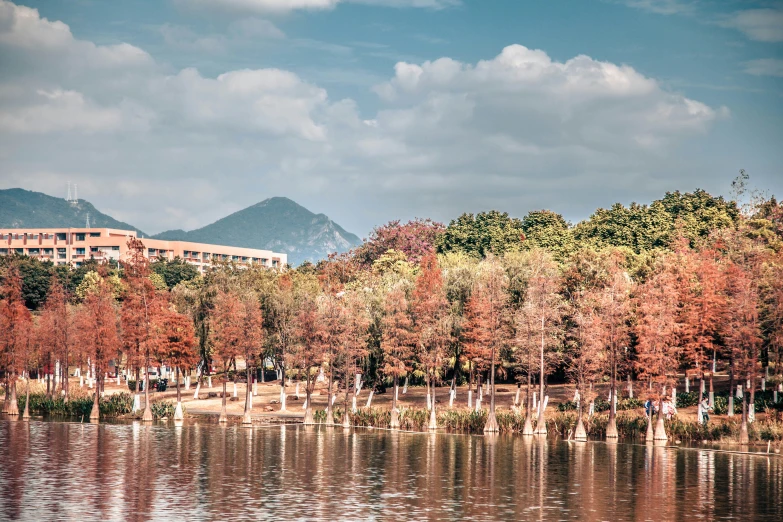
column 202, row 471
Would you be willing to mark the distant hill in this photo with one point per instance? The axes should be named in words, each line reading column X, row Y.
column 21, row 208
column 277, row 224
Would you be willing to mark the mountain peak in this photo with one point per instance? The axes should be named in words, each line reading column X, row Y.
column 276, row 223
column 20, row 208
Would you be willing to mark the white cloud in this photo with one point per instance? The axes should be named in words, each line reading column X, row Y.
column 60, row 111
column 449, row 136
column 763, row 25
column 765, row 67
column 285, row 6
column 663, row 7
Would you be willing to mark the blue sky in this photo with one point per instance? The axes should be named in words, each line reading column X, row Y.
column 227, row 102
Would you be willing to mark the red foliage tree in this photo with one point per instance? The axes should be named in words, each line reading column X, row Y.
column 15, row 325
column 227, row 336
column 140, row 306
column 97, row 326
column 657, row 332
column 487, row 324
column 610, row 327
column 703, row 308
column 177, row 345
column 742, row 332
column 308, row 350
column 56, row 334
column 431, row 325
column 416, row 239
column 396, row 343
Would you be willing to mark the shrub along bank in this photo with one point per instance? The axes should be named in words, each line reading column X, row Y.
column 630, row 424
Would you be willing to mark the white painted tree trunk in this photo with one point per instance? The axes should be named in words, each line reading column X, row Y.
column 470, row 398
column 763, row 384
column 739, row 391
column 282, row 397
column 235, row 390
column 334, row 398
column 674, row 396
column 353, row 404
column 304, row 404
column 369, row 398
column 178, row 412
column 429, row 401
column 81, row 381
column 451, row 398
column 703, row 384
column 405, row 386
column 297, row 391
column 136, row 402
column 478, row 404
column 209, row 382
column 198, row 388
column 687, row 385
column 255, row 388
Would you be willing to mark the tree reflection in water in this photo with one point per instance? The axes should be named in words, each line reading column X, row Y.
column 199, row 470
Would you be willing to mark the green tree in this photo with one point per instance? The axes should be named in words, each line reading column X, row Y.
column 485, row 233
column 174, row 271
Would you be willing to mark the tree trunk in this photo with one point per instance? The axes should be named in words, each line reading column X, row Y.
column 611, row 428
column 527, row 429
column 282, row 389
column 13, row 404
column 752, row 402
column 660, row 429
column 223, row 415
column 433, row 416
column 247, row 420
column 309, row 418
column 147, row 416
column 580, row 434
column 470, row 386
column 66, row 385
column 26, row 414
column 492, row 423
column 178, row 415
column 650, row 437
column 730, row 412
column 540, row 422
column 95, row 414
column 346, row 415
column 743, row 438
column 329, row 412
column 395, row 414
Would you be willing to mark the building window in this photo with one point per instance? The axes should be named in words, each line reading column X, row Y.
column 61, row 236
column 78, row 264
column 93, row 249
column 205, row 256
column 19, row 250
column 33, row 251
column 95, row 234
column 151, row 252
column 115, row 248
column 3, row 251
column 60, row 253
column 80, row 237
column 186, row 253
column 48, row 251
column 79, row 251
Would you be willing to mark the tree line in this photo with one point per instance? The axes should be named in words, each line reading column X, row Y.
column 644, row 293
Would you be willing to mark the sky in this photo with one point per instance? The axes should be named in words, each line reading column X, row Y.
column 174, row 113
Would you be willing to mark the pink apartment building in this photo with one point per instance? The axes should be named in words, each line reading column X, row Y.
column 75, row 245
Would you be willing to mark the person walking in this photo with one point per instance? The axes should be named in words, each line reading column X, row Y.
column 705, row 408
